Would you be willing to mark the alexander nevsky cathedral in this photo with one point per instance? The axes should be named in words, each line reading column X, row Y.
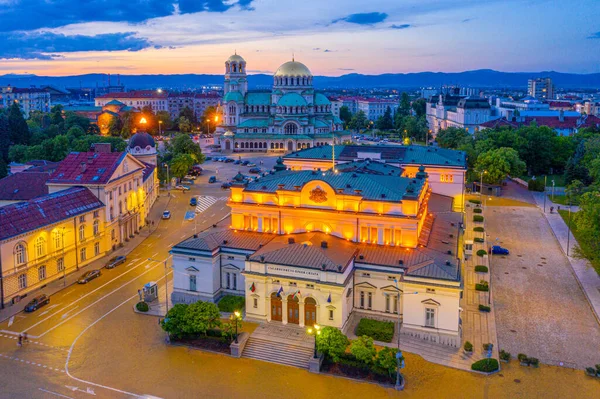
column 289, row 117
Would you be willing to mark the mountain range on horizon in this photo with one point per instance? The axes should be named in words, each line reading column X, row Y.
column 483, row 78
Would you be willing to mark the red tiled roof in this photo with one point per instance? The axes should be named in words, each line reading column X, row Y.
column 554, row 122
column 378, row 100
column 135, row 94
column 148, row 168
column 498, row 123
column 23, row 186
column 560, row 104
column 207, row 95
column 30, row 215
column 99, row 167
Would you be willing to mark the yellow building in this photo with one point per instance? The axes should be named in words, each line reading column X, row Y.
column 43, row 239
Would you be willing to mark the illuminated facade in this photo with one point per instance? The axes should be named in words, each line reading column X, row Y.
column 329, row 247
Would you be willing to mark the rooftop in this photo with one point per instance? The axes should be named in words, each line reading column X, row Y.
column 99, row 167
column 23, row 186
column 135, row 94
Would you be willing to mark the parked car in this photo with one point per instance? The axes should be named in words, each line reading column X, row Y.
column 237, row 162
column 116, row 261
column 193, row 201
column 190, row 177
column 254, row 170
column 498, row 250
column 37, row 303
column 226, row 186
column 228, row 160
column 89, row 276
column 182, row 187
column 250, row 164
column 208, row 159
column 212, row 179
column 245, row 163
column 166, row 215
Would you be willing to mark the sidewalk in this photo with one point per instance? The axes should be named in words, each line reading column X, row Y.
column 588, row 279
column 157, row 307
column 57, row 285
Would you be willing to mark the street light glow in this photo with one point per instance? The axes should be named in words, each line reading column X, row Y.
column 143, row 121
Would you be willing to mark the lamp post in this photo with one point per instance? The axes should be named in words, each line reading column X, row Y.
column 400, row 365
column 552, row 190
column 236, row 315
column 545, row 183
column 168, row 180
column 569, row 225
column 316, row 331
column 166, row 285
column 481, row 182
column 63, row 257
column 160, row 128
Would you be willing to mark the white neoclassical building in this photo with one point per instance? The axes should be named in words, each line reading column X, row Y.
column 307, row 247
column 291, row 116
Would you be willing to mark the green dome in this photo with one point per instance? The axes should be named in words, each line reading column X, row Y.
column 279, row 166
column 233, row 96
column 292, row 100
column 321, row 99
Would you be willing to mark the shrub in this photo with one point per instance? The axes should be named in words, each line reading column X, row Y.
column 478, row 229
column 482, row 286
column 378, row 330
column 474, row 201
column 142, row 306
column 231, row 303
column 484, row 308
column 534, row 361
column 174, row 322
column 363, row 349
column 332, row 343
column 477, row 210
column 523, row 358
column 477, row 218
column 468, row 346
column 485, row 365
column 590, row 371
column 481, row 252
column 486, row 347
column 481, row 269
column 536, row 185
column 598, row 369
column 386, row 360
column 504, row 355
column 478, row 239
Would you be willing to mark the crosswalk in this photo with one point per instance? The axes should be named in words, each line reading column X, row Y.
column 205, row 202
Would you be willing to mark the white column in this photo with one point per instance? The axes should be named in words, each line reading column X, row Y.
column 284, row 310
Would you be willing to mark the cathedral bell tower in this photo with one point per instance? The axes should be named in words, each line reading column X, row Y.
column 235, row 75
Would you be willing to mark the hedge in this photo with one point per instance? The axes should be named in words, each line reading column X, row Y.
column 468, row 346
column 536, row 185
column 477, row 218
column 478, row 239
column 477, row 210
column 378, row 330
column 485, row 365
column 481, row 252
column 484, row 308
column 474, row 201
column 142, row 306
column 231, row 303
column 478, row 229
column 481, row 269
column 482, row 286
column 504, row 355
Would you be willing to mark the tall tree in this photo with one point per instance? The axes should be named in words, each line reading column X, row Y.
column 452, row 137
column 165, row 118
column 535, row 148
column 181, row 164
column 404, row 108
column 499, row 164
column 385, row 122
column 188, row 113
column 19, row 131
column 185, row 126
column 345, row 116
column 359, row 121
column 419, row 106
column 4, row 137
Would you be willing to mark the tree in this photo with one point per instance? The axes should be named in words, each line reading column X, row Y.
column 574, row 190
column 575, row 169
column 359, row 121
column 498, row 164
column 345, row 115
column 72, row 119
column 419, row 106
column 452, row 137
column 201, row 317
column 18, row 153
column 188, row 113
column 17, row 127
column 386, row 360
column 404, row 108
column 185, row 126
column 115, row 126
column 208, row 118
column 229, row 328
column 363, row 349
column 174, row 321
column 4, row 137
column 332, row 343
column 84, row 144
column 75, row 132
column 587, row 220
column 535, row 147
column 165, row 118
column 183, row 144
column 181, row 164
column 3, row 168
column 385, row 122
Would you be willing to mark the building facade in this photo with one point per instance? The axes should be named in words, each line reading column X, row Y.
column 449, row 110
column 289, row 117
column 376, row 107
column 43, row 239
column 138, row 99
column 30, row 99
column 541, row 88
column 308, row 247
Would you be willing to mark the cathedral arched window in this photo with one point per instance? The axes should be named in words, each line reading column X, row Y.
column 291, row 128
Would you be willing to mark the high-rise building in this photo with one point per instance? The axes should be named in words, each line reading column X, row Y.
column 541, row 88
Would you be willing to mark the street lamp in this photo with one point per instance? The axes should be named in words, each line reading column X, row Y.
column 166, row 285
column 160, row 128
column 168, row 180
column 236, row 316
column 481, row 182
column 207, row 125
column 399, row 364
column 316, row 331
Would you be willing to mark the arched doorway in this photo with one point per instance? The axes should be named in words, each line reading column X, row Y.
column 227, row 145
column 290, row 146
column 293, row 310
column 275, row 307
column 310, row 312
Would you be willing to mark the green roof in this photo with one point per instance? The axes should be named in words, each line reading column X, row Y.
column 319, row 123
column 321, row 99
column 403, row 155
column 262, row 122
column 373, row 187
column 292, row 100
column 233, row 96
column 114, row 102
column 258, row 98
column 337, row 120
column 271, row 136
column 375, row 167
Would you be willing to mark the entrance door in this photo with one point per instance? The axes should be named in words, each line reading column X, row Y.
column 275, row 307
column 310, row 312
column 293, row 310
column 290, row 146
column 227, row 145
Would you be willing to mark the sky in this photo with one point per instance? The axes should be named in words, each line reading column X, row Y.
column 332, row 37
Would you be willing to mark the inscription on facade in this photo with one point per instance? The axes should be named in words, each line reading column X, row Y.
column 300, row 272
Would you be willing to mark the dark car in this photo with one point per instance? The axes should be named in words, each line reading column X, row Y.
column 208, row 159
column 116, row 261
column 229, row 160
column 498, row 250
column 193, row 201
column 89, row 276
column 226, row 186
column 254, row 170
column 245, row 163
column 212, row 179
column 237, row 162
column 37, row 303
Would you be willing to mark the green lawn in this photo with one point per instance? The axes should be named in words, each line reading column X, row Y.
column 559, row 180
column 562, row 200
column 585, row 249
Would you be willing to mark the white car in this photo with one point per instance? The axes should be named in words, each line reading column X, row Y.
column 182, row 188
column 190, row 177
column 166, row 215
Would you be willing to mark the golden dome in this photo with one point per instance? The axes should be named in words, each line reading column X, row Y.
column 235, row 58
column 293, row 68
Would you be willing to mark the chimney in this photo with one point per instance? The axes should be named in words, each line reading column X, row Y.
column 101, row 147
column 83, row 167
column 323, row 244
column 291, row 240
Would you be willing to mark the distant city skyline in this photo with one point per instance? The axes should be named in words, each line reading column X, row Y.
column 332, row 38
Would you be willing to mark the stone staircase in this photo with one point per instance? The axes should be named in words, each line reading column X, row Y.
column 277, row 352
